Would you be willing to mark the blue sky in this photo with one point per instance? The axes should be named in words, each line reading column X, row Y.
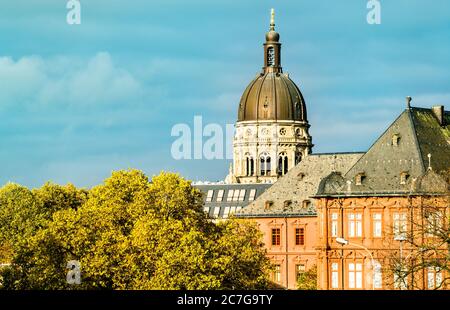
column 79, row 101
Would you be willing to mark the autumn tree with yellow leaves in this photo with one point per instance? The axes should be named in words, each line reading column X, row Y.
column 127, row 233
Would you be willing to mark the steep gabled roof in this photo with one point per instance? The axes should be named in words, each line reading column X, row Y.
column 291, row 194
column 399, row 157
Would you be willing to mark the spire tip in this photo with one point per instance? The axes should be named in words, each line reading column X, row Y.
column 272, row 19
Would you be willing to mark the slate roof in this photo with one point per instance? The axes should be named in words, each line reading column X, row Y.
column 290, row 196
column 398, row 159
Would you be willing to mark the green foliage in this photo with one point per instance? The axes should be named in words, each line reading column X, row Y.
column 129, row 233
column 308, row 279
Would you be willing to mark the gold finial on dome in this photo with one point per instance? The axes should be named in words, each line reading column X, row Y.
column 272, row 19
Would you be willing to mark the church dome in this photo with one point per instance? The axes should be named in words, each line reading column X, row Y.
column 272, row 96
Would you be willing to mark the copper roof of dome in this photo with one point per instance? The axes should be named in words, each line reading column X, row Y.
column 272, row 96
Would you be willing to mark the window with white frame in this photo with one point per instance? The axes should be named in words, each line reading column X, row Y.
column 226, row 212
column 399, row 224
column 377, row 276
column 334, row 275
column 354, row 225
column 277, row 274
column 377, row 225
column 220, row 195
column 242, row 195
column 232, row 210
column 355, row 275
column 400, row 280
column 209, row 196
column 334, row 225
column 236, row 195
column 216, row 212
column 434, row 223
column 230, row 195
column 252, row 195
column 434, row 275
column 299, row 270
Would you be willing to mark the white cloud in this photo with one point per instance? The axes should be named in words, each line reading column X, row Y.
column 34, row 80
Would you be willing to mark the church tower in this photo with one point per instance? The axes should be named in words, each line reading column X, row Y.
column 272, row 128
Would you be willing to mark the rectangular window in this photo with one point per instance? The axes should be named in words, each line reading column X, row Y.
column 400, row 282
column 299, row 269
column 276, row 236
column 358, row 225
column 334, row 275
column 242, row 195
column 434, row 223
column 334, row 225
column 252, row 195
column 399, row 225
column 277, row 274
column 226, row 212
column 209, row 196
column 236, row 195
column 351, row 225
column 354, row 225
column 216, row 212
column 299, row 236
column 377, row 276
column 230, row 195
column 434, row 278
column 220, row 195
column 377, row 225
column 232, row 210
column 355, row 275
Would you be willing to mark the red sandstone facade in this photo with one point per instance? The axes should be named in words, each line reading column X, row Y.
column 290, row 244
column 376, row 223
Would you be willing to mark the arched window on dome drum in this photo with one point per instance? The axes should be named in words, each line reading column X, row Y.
column 283, row 164
column 280, row 164
column 298, row 158
column 249, row 165
column 265, row 164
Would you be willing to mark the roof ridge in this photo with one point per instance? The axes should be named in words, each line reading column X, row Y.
column 417, row 145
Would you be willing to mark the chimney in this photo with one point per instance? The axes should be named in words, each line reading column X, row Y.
column 438, row 111
column 408, row 102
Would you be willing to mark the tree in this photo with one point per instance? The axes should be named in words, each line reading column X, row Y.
column 423, row 261
column 131, row 233
column 24, row 214
column 308, row 279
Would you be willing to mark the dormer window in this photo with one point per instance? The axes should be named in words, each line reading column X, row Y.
column 287, row 204
column 395, row 139
column 306, row 204
column 404, row 177
column 268, row 204
column 359, row 178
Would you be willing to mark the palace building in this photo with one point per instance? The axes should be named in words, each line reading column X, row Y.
column 363, row 219
column 391, row 207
